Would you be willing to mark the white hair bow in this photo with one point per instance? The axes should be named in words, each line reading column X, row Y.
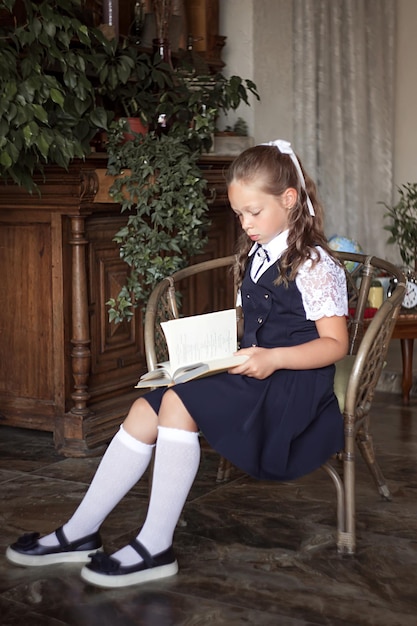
column 285, row 148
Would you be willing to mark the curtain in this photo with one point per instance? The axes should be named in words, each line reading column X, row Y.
column 343, row 95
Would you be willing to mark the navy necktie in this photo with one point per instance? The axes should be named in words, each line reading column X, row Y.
column 264, row 256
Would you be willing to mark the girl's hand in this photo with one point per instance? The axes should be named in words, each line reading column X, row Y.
column 329, row 347
column 262, row 362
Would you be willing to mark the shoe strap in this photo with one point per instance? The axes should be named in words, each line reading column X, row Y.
column 64, row 543
column 143, row 552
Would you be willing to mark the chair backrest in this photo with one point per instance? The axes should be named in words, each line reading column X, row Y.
column 165, row 303
column 369, row 339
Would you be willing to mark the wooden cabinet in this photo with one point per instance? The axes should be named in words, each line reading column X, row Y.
column 63, row 367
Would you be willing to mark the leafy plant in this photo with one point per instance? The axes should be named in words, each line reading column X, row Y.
column 130, row 82
column 240, row 127
column 194, row 103
column 48, row 112
column 62, row 81
column 403, row 226
column 160, row 185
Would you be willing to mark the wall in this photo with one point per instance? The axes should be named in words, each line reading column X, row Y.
column 255, row 50
column 258, row 47
column 405, row 131
column 236, row 22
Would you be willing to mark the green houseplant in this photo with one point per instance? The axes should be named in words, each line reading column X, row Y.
column 63, row 82
column 130, row 82
column 48, row 108
column 158, row 183
column 403, row 224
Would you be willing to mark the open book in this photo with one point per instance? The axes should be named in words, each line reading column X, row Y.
column 199, row 345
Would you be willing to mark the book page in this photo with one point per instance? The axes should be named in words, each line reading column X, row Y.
column 200, row 338
column 162, row 370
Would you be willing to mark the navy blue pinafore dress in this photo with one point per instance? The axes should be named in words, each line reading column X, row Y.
column 279, row 428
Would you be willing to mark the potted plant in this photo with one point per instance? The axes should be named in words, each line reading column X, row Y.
column 403, row 224
column 63, row 82
column 159, row 184
column 234, row 139
column 130, row 82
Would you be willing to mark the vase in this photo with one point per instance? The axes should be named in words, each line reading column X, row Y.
column 136, row 28
column 162, row 47
column 135, row 125
column 111, row 15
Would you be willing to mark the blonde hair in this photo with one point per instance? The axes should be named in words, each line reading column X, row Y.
column 274, row 172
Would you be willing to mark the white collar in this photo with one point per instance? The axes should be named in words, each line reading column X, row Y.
column 273, row 248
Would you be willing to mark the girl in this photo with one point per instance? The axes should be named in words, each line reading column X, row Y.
column 275, row 416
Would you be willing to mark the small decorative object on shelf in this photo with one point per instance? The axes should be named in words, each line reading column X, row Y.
column 376, row 294
column 162, row 11
column 138, row 23
column 162, row 47
column 345, row 244
column 111, row 16
column 410, row 298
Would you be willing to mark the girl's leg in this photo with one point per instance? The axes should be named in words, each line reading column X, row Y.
column 177, row 459
column 123, row 464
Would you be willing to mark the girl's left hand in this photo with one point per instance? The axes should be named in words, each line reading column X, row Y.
column 261, row 363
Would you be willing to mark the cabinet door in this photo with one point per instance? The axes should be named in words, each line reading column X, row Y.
column 31, row 319
column 117, row 354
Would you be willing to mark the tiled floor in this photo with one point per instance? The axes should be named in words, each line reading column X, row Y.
column 249, row 552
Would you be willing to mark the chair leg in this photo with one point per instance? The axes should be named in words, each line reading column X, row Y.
column 366, row 447
column 345, row 515
column 224, row 470
column 348, row 542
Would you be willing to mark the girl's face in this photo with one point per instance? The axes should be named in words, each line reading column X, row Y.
column 261, row 215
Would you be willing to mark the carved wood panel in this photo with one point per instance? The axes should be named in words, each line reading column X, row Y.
column 115, row 347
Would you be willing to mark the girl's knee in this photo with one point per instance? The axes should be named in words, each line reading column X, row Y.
column 142, row 421
column 174, row 414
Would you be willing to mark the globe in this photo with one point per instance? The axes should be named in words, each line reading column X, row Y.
column 344, row 244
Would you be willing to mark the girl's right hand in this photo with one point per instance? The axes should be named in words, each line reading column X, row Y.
column 262, row 362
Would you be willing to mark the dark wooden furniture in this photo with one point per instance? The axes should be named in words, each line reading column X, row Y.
column 406, row 330
column 195, row 19
column 63, row 367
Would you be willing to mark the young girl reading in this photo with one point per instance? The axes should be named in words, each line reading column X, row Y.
column 275, row 416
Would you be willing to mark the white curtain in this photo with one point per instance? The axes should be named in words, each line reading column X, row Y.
column 343, row 95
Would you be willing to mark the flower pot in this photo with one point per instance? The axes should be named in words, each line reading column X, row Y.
column 135, row 125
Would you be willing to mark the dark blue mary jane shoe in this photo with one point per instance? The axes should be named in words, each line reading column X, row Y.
column 106, row 571
column 28, row 552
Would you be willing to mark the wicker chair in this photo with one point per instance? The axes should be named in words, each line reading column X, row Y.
column 356, row 375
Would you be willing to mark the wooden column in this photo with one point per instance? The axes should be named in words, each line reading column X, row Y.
column 80, row 340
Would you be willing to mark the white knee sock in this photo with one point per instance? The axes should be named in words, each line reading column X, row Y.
column 177, row 458
column 122, row 465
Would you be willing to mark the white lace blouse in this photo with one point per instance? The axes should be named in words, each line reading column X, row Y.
column 323, row 287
